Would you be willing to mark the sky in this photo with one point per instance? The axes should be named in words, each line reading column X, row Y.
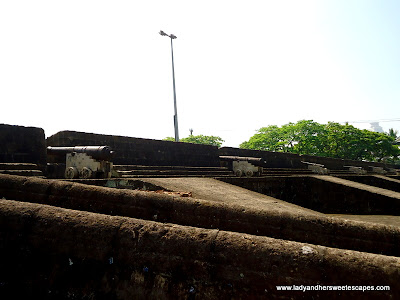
column 102, row 67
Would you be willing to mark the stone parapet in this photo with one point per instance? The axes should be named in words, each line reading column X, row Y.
column 281, row 223
column 137, row 151
column 20, row 144
column 56, row 253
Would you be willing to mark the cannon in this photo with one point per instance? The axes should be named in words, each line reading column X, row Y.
column 356, row 170
column 378, row 170
column 317, row 168
column 85, row 161
column 248, row 166
column 96, row 152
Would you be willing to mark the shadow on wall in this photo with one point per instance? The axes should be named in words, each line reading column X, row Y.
column 20, row 144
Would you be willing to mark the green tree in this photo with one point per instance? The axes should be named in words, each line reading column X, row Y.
column 169, row 139
column 267, row 138
column 393, row 133
column 330, row 140
column 200, row 139
column 304, row 137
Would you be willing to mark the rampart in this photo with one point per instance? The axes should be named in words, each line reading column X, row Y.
column 392, row 183
column 291, row 160
column 20, row 144
column 66, row 240
column 328, row 194
column 56, row 253
column 136, row 151
column 27, row 145
column 277, row 223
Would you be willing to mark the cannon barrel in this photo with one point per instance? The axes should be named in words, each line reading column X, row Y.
column 96, row 152
column 253, row 160
column 242, row 158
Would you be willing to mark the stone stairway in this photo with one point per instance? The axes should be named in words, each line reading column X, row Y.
column 138, row 171
column 22, row 169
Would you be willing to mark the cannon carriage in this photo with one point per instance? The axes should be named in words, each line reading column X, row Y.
column 85, row 161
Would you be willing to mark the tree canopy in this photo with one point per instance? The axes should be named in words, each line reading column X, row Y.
column 200, row 139
column 329, row 140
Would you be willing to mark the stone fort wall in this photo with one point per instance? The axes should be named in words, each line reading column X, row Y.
column 20, row 144
column 137, row 151
column 100, row 243
column 291, row 160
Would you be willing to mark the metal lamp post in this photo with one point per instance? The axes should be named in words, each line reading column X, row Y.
column 171, row 36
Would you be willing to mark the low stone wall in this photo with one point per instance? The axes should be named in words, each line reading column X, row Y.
column 282, row 224
column 20, row 144
column 333, row 195
column 136, row 151
column 56, row 253
column 325, row 194
column 390, row 183
column 290, row 160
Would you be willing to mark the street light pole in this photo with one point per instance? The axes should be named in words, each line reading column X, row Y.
column 172, row 37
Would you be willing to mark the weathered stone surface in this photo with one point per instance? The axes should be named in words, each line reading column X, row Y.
column 136, row 151
column 291, row 160
column 64, row 240
column 384, row 182
column 278, row 222
column 20, row 144
column 59, row 253
column 326, row 194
